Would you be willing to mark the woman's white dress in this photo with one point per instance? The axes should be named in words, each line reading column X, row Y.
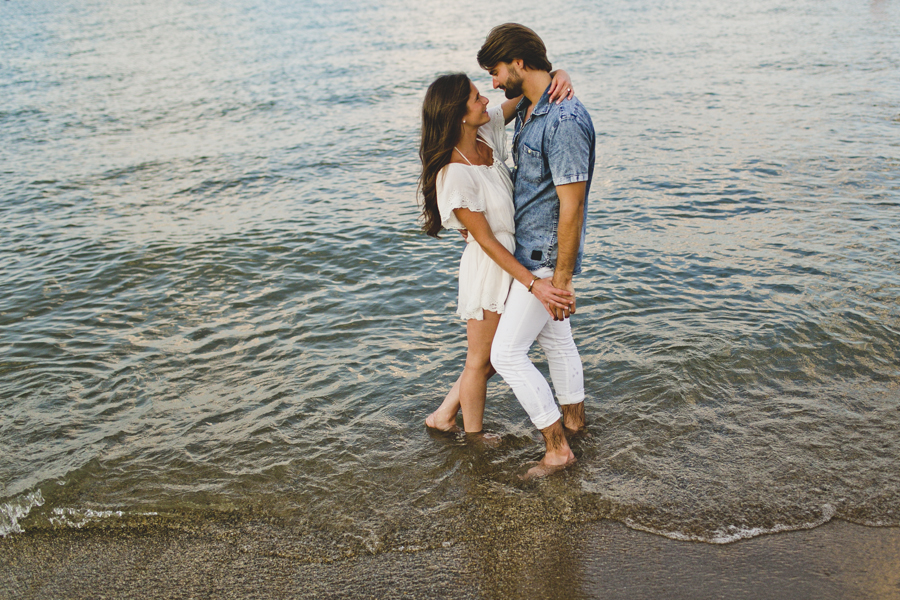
column 483, row 285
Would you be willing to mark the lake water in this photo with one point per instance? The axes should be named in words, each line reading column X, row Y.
column 216, row 303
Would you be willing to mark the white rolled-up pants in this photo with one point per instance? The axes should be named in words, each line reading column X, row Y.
column 525, row 320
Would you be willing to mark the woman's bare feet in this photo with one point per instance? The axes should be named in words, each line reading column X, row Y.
column 444, row 418
column 489, row 440
column 442, row 421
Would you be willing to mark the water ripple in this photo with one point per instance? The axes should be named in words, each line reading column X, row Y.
column 216, row 302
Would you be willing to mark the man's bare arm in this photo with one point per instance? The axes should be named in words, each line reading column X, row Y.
column 571, row 219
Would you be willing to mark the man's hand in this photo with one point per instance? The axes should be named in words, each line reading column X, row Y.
column 560, row 314
column 551, row 297
column 464, row 233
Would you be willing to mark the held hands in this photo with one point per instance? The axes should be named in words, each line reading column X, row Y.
column 559, row 302
column 561, row 87
column 563, row 313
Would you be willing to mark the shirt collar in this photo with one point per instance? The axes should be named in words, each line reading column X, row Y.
column 543, row 105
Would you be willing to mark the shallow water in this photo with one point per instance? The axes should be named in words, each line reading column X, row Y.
column 215, row 301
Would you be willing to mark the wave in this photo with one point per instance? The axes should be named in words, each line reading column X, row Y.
column 11, row 513
column 79, row 517
column 733, row 533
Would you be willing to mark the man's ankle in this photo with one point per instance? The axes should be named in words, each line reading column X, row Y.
column 573, row 416
column 555, row 438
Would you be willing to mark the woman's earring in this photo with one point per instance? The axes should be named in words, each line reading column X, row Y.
column 464, row 121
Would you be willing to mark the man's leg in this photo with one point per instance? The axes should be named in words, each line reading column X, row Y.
column 573, row 417
column 565, row 371
column 558, row 456
column 523, row 319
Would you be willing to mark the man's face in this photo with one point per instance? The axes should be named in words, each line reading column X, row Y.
column 507, row 77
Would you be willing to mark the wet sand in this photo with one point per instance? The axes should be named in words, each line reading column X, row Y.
column 597, row 560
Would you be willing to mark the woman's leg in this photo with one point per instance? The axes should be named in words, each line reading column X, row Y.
column 474, row 378
column 444, row 418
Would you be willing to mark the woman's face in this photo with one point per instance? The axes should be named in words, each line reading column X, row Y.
column 476, row 113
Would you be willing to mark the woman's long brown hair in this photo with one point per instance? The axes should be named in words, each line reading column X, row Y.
column 442, row 113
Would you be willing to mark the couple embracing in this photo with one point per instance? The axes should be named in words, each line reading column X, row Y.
column 525, row 231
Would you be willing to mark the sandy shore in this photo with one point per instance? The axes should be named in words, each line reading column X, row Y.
column 598, row 560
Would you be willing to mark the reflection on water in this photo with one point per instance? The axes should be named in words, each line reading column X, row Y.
column 216, row 303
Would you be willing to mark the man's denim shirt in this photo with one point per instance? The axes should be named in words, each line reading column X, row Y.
column 555, row 147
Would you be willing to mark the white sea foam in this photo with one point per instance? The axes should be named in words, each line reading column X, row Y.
column 79, row 517
column 13, row 512
column 733, row 533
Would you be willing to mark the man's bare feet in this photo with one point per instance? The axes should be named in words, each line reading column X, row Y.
column 573, row 417
column 558, row 456
column 442, row 421
column 543, row 469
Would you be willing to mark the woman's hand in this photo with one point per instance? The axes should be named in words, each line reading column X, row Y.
column 560, row 87
column 555, row 300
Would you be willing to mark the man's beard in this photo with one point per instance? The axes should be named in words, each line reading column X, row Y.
column 513, row 87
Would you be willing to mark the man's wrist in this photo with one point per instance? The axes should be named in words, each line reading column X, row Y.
column 561, row 277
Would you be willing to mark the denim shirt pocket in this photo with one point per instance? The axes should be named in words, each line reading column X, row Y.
column 531, row 164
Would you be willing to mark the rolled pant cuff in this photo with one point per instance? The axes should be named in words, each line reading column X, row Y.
column 573, row 399
column 547, row 419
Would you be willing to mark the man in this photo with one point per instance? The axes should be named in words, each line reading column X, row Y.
column 553, row 149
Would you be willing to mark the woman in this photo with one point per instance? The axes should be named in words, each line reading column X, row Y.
column 466, row 185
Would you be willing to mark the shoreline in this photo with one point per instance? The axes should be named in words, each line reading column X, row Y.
column 604, row 559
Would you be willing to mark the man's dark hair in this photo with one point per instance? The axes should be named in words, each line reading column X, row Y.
column 510, row 41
